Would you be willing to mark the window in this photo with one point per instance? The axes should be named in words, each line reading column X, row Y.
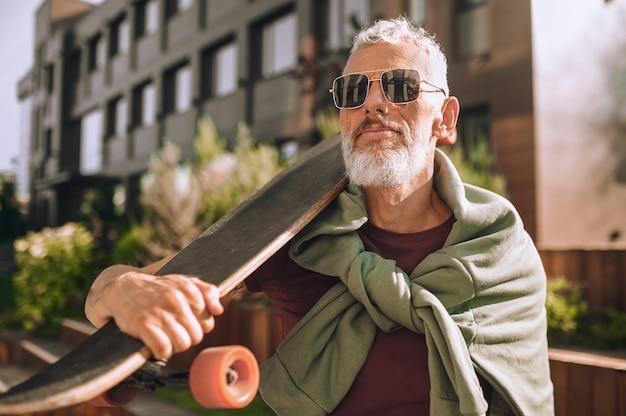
column 338, row 21
column 279, row 49
column 144, row 105
column 173, row 7
column 73, row 77
column 47, row 149
column 117, row 117
column 120, row 37
column 50, row 78
column 147, row 18
column 91, row 143
column 97, row 53
column 184, row 5
column 226, row 70
column 472, row 22
column 356, row 16
column 177, row 89
column 219, row 71
column 417, row 12
column 328, row 24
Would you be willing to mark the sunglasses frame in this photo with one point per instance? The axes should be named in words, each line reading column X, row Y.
column 371, row 80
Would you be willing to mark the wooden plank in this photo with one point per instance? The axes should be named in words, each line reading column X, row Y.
column 599, row 273
column 579, row 391
column 612, row 280
column 621, row 393
column 595, row 283
column 603, row 383
column 587, row 358
column 559, row 376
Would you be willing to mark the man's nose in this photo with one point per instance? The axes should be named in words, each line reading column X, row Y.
column 376, row 102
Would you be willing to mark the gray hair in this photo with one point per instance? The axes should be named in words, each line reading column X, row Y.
column 394, row 31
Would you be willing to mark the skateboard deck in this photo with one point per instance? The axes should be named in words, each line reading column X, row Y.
column 224, row 255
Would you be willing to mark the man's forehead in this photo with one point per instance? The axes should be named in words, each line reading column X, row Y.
column 381, row 56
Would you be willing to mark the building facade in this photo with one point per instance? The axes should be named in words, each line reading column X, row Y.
column 109, row 83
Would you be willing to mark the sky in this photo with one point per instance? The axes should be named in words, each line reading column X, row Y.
column 17, row 32
column 17, row 49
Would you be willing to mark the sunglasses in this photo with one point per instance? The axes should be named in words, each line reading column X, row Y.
column 400, row 86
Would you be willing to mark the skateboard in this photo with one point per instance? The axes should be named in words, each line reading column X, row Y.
column 224, row 255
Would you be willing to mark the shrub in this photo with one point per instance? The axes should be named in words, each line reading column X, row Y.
column 179, row 201
column 610, row 332
column 475, row 167
column 171, row 203
column 230, row 178
column 565, row 310
column 327, row 122
column 55, row 269
column 569, row 323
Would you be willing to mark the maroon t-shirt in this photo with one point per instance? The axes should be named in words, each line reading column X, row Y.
column 394, row 379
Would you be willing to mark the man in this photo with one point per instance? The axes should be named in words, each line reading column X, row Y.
column 410, row 294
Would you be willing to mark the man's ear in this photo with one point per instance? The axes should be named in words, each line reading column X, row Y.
column 445, row 128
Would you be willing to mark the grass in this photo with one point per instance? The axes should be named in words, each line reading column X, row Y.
column 183, row 398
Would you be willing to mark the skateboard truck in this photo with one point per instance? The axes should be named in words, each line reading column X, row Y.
column 219, row 377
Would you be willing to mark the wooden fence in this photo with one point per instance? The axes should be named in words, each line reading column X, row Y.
column 587, row 384
column 601, row 274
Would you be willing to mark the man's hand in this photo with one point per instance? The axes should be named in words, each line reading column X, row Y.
column 168, row 313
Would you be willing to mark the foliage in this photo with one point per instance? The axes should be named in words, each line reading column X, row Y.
column 475, row 166
column 180, row 200
column 127, row 248
column 55, row 268
column 565, row 309
column 171, row 205
column 229, row 178
column 208, row 143
column 569, row 323
column 327, row 122
column 611, row 333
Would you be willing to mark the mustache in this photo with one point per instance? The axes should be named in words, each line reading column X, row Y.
column 369, row 121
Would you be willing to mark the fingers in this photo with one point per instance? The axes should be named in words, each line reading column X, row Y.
column 168, row 313
column 164, row 339
column 211, row 296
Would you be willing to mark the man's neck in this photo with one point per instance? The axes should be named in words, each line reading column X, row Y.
column 409, row 208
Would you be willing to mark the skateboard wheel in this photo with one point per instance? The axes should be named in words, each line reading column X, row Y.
column 224, row 377
column 114, row 397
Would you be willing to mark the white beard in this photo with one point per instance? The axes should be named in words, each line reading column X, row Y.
column 386, row 164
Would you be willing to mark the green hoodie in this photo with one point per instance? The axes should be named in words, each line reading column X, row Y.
column 479, row 301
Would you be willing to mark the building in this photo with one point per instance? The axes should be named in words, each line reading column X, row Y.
column 110, row 82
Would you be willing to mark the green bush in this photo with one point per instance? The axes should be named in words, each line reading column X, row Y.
column 569, row 322
column 327, row 122
column 475, row 167
column 610, row 332
column 565, row 309
column 171, row 206
column 127, row 248
column 54, row 270
column 178, row 200
column 229, row 178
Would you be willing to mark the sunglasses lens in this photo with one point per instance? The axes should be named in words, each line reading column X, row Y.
column 401, row 85
column 350, row 90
